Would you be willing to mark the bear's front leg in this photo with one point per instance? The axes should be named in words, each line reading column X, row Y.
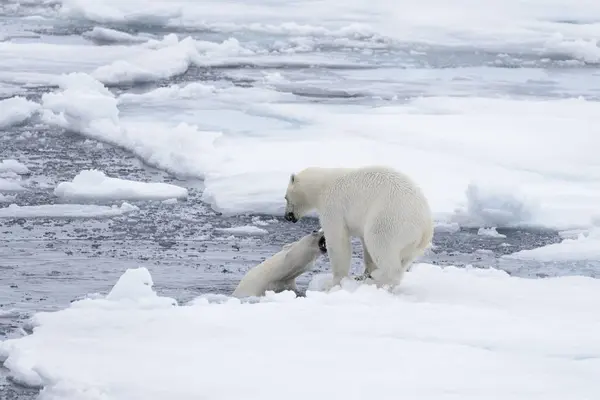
column 339, row 251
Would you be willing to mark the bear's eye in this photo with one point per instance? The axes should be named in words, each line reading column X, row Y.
column 286, row 198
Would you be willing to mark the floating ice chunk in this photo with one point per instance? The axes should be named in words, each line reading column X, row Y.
column 4, row 198
column 13, row 166
column 107, row 35
column 95, row 185
column 245, row 230
column 16, row 110
column 165, row 59
column 585, row 247
column 491, row 232
column 10, row 185
column 65, row 211
column 447, row 227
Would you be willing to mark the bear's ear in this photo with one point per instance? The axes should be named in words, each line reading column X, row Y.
column 292, row 178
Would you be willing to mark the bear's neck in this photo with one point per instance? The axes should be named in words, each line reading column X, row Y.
column 322, row 179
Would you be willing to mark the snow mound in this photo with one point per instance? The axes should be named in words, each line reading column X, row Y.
column 448, row 333
column 497, row 205
column 95, row 185
column 86, row 106
column 134, row 287
column 13, row 166
column 245, row 230
column 16, row 110
column 585, row 247
column 65, row 211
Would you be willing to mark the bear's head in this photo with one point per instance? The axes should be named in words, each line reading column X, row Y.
column 296, row 199
column 314, row 240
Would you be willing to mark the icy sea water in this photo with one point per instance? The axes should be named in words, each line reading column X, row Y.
column 45, row 263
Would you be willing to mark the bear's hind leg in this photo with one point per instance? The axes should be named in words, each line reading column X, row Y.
column 386, row 251
column 369, row 264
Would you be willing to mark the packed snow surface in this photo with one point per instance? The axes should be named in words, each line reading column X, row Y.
column 65, row 211
column 95, row 185
column 448, row 333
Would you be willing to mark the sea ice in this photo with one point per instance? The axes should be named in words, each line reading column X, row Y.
column 491, row 232
column 245, row 230
column 95, row 185
column 585, row 247
column 65, row 211
column 447, row 333
column 10, row 185
column 469, row 178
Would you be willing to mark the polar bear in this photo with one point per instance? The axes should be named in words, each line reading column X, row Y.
column 381, row 206
column 279, row 272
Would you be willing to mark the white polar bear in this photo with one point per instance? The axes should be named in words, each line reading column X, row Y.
column 379, row 205
column 279, row 272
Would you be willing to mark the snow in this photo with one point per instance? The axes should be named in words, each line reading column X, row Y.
column 490, row 232
column 448, row 333
column 16, row 110
column 584, row 247
column 13, row 166
column 95, row 185
column 244, row 230
column 65, row 211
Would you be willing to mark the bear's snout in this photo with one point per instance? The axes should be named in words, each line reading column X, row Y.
column 289, row 216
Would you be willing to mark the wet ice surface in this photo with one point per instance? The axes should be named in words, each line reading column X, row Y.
column 45, row 263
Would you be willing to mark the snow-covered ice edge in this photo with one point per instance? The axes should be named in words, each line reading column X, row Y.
column 447, row 332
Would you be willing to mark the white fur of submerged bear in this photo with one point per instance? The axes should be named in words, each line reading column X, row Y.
column 379, row 205
column 279, row 272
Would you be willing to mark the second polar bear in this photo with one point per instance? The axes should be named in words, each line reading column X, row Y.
column 381, row 206
column 279, row 272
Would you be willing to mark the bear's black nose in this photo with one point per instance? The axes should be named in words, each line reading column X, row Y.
column 323, row 245
column 290, row 217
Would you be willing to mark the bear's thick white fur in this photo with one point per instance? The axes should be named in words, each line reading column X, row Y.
column 381, row 206
column 279, row 272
